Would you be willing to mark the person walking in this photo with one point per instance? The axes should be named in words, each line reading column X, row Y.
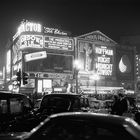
column 115, row 105
column 120, row 106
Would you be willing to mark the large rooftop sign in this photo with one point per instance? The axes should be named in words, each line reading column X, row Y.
column 58, row 43
column 31, row 41
column 95, row 57
column 104, row 63
column 54, row 31
column 28, row 27
column 33, row 27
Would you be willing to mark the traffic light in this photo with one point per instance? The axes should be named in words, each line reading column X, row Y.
column 18, row 78
column 25, row 78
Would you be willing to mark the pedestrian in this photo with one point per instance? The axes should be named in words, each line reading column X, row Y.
column 115, row 105
column 120, row 106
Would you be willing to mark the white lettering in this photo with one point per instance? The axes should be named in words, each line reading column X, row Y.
column 104, row 72
column 27, row 27
column 104, row 66
column 103, row 51
column 104, row 59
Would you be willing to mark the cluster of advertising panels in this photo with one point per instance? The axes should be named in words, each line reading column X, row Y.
column 47, row 55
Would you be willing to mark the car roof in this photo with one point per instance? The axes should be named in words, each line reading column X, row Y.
column 96, row 117
column 62, row 95
column 8, row 94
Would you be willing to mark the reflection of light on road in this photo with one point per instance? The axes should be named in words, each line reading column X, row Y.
column 122, row 66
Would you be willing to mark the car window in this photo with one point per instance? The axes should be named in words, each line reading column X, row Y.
column 3, row 106
column 55, row 102
column 84, row 102
column 16, row 105
column 76, row 104
column 26, row 102
column 37, row 104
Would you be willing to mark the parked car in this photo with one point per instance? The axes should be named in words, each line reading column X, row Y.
column 51, row 104
column 83, row 126
column 13, row 107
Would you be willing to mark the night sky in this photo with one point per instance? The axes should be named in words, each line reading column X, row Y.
column 114, row 18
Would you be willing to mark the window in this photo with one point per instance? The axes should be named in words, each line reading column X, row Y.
column 3, row 107
column 16, row 105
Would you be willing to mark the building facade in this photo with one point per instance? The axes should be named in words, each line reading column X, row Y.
column 112, row 62
column 47, row 55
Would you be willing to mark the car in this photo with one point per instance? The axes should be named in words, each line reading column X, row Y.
column 13, row 107
column 51, row 104
column 83, row 126
column 62, row 102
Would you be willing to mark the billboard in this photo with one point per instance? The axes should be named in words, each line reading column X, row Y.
column 58, row 43
column 96, row 58
column 124, row 64
column 31, row 41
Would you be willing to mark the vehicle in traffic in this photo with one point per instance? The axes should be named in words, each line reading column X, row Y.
column 13, row 107
column 84, row 126
column 51, row 104
column 62, row 102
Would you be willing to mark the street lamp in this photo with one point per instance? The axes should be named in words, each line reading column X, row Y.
column 95, row 77
column 77, row 65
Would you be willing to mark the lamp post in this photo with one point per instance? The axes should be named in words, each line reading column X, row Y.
column 77, row 67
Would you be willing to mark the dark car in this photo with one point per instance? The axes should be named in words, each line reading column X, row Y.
column 62, row 102
column 51, row 104
column 83, row 126
column 13, row 107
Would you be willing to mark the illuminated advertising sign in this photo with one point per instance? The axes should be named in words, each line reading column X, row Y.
column 16, row 52
column 58, row 43
column 54, row 31
column 8, row 62
column 35, row 56
column 125, row 64
column 31, row 41
column 103, row 64
column 96, row 58
column 28, row 27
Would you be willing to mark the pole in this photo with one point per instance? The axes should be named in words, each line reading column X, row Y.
column 95, row 87
column 76, row 81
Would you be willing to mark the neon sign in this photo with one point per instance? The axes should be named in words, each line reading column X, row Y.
column 28, row 27
column 33, row 41
column 54, row 31
column 103, row 65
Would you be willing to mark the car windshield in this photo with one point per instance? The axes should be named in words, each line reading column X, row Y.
column 56, row 102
